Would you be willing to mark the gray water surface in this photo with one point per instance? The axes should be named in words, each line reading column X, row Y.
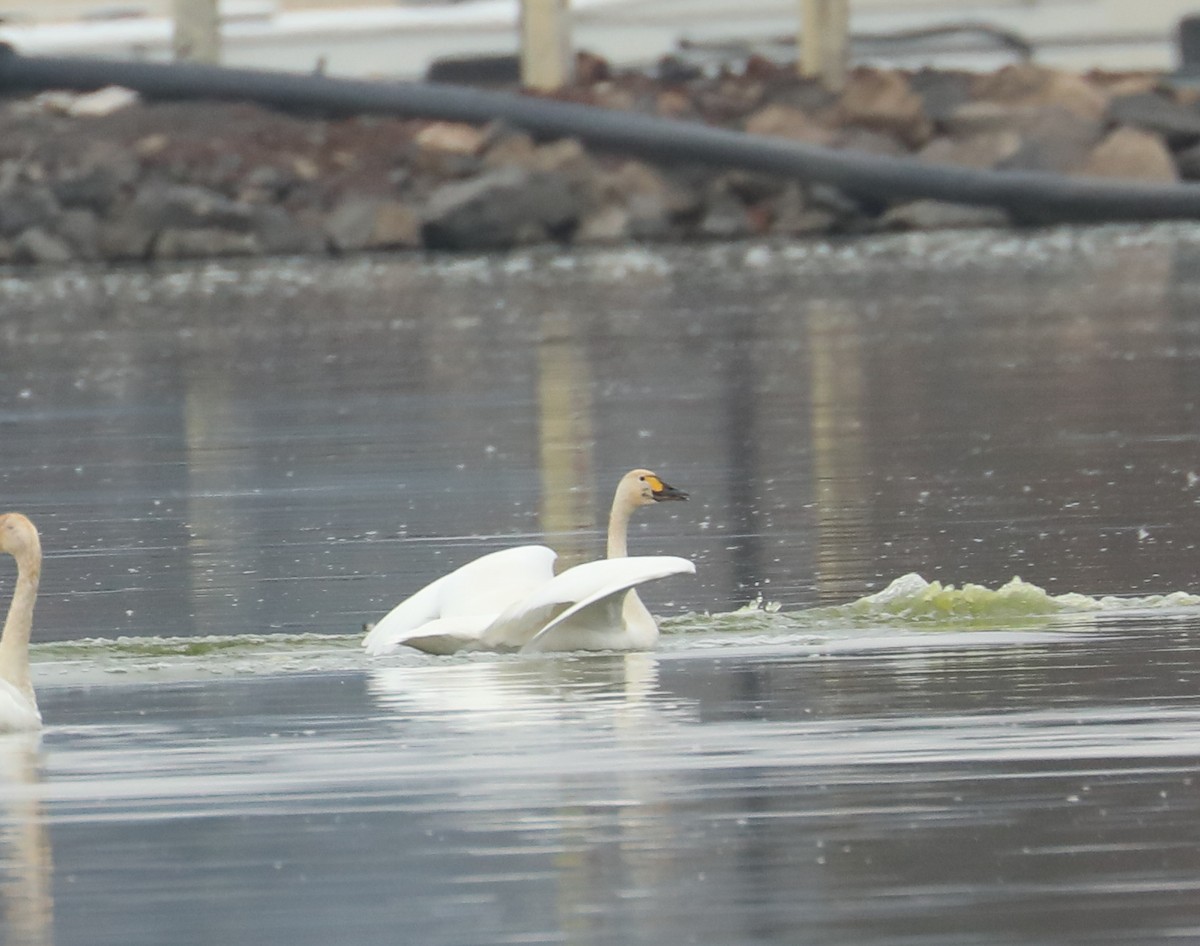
column 235, row 467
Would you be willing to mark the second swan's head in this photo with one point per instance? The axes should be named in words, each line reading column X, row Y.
column 644, row 487
column 19, row 538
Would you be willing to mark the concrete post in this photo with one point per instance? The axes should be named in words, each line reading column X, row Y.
column 197, row 36
column 546, row 61
column 824, row 40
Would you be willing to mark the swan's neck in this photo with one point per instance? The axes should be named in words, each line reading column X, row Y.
column 14, row 642
column 618, row 528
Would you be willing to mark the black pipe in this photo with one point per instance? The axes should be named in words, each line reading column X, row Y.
column 1028, row 195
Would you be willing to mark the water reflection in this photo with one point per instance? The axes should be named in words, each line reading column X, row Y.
column 26, row 861
column 275, row 447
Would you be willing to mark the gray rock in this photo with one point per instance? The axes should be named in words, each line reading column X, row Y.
column 1150, row 111
column 795, row 215
column 26, row 205
column 124, row 237
column 372, row 223
column 985, row 150
column 1188, row 163
column 499, row 209
column 280, row 233
column 81, row 230
column 725, row 218
column 198, row 242
column 350, row 224
column 36, row 245
column 940, row 215
column 181, row 207
column 1056, row 140
column 941, row 92
column 98, row 182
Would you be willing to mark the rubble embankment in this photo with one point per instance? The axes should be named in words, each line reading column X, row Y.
column 106, row 177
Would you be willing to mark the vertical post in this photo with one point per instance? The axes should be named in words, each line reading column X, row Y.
column 197, row 36
column 545, row 44
column 823, row 43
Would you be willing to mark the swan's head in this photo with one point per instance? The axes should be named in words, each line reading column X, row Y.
column 642, row 487
column 18, row 537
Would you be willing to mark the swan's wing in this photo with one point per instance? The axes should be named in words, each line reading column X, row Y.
column 17, row 712
column 472, row 595
column 598, row 585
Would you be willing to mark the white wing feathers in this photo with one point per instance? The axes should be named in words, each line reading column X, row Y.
column 588, row 597
column 459, row 606
column 511, row 600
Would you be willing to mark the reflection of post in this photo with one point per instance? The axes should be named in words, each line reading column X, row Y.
column 545, row 44
column 839, row 455
column 26, row 895
column 565, row 435
column 197, row 36
column 215, row 552
column 824, row 40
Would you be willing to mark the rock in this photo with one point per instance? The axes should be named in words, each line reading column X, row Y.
column 783, row 121
column 36, row 245
column 868, row 142
column 25, row 205
column 884, row 101
column 199, row 242
column 1056, row 141
column 124, row 236
column 97, row 182
column 609, row 224
column 396, row 225
column 986, row 150
column 725, row 218
column 451, row 138
column 280, row 233
column 182, row 206
column 941, row 93
column 1150, row 111
column 102, row 102
column 1037, row 86
column 512, row 148
column 350, row 224
column 499, row 209
column 1133, row 155
column 940, row 215
column 1187, row 162
column 795, row 215
column 80, row 229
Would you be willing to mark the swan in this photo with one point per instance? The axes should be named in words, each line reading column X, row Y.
column 512, row 600
column 18, row 705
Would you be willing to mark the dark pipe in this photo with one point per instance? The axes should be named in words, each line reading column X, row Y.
column 1027, row 195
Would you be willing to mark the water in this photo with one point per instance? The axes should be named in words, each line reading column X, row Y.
column 234, row 468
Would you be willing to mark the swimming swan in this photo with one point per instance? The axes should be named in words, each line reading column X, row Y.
column 512, row 600
column 18, row 705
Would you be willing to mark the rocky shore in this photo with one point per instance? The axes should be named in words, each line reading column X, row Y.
column 106, row 177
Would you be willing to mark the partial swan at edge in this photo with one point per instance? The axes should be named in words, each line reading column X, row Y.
column 512, row 600
column 18, row 704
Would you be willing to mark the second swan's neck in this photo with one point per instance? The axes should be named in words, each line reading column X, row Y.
column 14, row 642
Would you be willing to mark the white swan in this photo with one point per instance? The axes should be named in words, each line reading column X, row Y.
column 18, row 705
column 512, row 600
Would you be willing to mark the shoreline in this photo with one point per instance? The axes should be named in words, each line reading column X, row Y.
column 106, row 177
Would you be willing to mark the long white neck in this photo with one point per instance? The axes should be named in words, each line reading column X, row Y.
column 639, row 622
column 618, row 527
column 14, row 642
